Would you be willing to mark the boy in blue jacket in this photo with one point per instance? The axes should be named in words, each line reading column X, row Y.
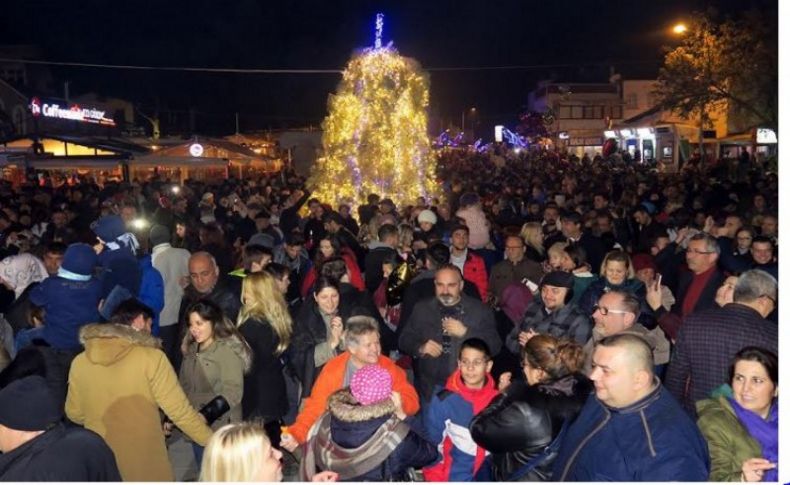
column 467, row 392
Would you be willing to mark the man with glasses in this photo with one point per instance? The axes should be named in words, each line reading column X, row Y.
column 514, row 268
column 467, row 391
column 696, row 287
column 552, row 314
column 708, row 340
column 616, row 313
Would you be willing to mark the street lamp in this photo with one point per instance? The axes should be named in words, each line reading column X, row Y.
column 472, row 111
column 679, row 28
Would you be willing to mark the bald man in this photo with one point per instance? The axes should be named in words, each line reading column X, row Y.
column 632, row 429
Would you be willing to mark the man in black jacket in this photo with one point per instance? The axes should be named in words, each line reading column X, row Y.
column 379, row 251
column 422, row 286
column 335, row 225
column 37, row 446
column 438, row 326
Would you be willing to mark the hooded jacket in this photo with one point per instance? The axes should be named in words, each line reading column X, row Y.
column 523, row 420
column 447, row 422
column 116, row 388
column 331, row 380
column 217, row 370
column 69, row 305
column 351, row 425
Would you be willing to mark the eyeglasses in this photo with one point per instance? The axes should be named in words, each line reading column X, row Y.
column 696, row 251
column 773, row 300
column 605, row 311
column 473, row 363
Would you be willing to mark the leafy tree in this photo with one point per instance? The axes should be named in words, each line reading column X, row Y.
column 733, row 63
column 532, row 125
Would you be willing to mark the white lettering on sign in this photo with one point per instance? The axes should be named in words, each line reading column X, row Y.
column 74, row 112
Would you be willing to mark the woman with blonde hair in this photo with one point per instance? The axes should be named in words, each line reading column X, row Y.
column 243, row 453
column 617, row 274
column 266, row 325
column 532, row 234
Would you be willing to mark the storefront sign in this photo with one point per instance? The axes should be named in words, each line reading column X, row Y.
column 766, row 135
column 586, row 141
column 73, row 112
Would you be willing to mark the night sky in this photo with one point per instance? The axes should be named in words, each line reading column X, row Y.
column 322, row 35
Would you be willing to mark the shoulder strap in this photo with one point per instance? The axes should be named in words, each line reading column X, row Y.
column 550, row 449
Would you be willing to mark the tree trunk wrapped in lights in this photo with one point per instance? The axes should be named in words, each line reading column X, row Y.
column 375, row 137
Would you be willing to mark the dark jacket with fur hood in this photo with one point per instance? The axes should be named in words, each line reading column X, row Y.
column 352, row 424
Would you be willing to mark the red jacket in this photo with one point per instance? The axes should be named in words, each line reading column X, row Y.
column 331, row 380
column 475, row 271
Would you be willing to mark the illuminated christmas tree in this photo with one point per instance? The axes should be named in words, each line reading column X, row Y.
column 375, row 137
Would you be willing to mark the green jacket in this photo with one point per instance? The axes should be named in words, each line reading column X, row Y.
column 215, row 371
column 729, row 443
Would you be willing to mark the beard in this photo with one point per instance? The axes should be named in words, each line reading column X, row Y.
column 448, row 300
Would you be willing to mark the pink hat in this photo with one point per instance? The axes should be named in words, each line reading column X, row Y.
column 371, row 384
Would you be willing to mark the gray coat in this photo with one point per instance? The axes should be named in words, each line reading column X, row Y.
column 173, row 264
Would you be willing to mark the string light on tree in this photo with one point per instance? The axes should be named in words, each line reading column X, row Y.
column 375, row 137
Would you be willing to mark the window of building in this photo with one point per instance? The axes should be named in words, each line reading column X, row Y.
column 632, row 101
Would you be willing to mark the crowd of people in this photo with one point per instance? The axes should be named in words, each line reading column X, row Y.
column 543, row 318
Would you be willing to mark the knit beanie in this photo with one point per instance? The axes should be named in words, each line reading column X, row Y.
column 109, row 228
column 28, row 404
column 371, row 384
column 80, row 259
column 159, row 235
column 427, row 216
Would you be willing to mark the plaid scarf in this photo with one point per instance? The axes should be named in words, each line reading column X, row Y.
column 320, row 451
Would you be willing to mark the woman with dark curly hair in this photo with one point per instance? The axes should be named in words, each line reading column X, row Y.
column 523, row 427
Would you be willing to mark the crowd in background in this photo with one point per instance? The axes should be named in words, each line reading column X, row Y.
column 543, row 317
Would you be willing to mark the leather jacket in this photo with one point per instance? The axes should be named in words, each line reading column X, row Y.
column 520, row 423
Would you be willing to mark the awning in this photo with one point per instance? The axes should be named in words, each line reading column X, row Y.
column 188, row 162
column 71, row 164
